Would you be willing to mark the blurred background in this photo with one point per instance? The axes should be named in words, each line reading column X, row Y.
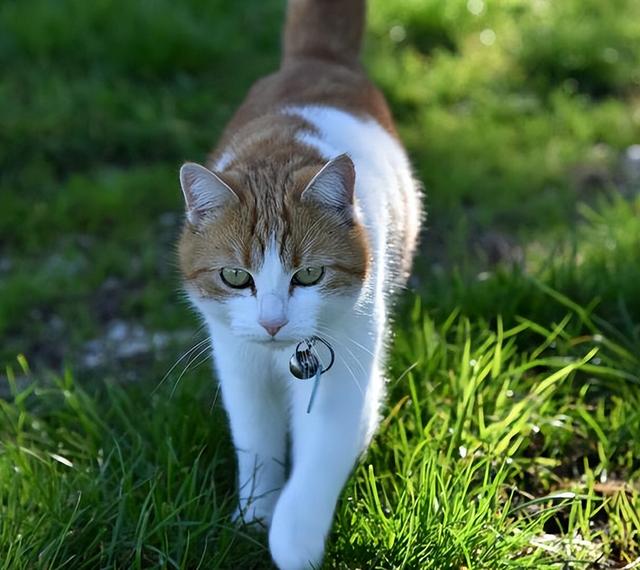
column 522, row 118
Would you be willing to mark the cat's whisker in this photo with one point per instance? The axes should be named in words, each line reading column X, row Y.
column 350, row 339
column 338, row 342
column 189, row 365
column 178, row 361
column 341, row 357
column 356, row 360
column 355, row 380
column 358, row 345
column 193, row 358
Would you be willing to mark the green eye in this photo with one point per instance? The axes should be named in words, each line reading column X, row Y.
column 307, row 276
column 236, row 278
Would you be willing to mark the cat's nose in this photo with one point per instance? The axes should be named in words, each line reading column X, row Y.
column 272, row 327
column 272, row 315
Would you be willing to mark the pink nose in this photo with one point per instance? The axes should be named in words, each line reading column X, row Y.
column 272, row 327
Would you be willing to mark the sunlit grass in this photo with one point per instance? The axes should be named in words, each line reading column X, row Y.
column 490, row 444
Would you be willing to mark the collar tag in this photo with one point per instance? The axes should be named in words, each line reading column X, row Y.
column 306, row 363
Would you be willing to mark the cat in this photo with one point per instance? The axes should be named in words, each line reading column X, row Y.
column 304, row 222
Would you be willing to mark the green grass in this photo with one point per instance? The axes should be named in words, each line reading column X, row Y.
column 485, row 449
column 511, row 435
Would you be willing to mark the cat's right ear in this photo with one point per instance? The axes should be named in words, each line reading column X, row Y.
column 203, row 191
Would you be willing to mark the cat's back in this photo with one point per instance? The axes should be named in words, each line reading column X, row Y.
column 311, row 81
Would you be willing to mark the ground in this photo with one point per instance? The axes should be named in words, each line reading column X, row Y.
column 511, row 433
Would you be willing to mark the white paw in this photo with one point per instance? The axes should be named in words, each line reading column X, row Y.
column 297, row 536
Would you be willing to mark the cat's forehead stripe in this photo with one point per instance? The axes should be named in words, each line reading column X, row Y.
column 271, row 275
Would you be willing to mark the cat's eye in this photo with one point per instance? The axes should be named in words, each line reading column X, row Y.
column 236, row 278
column 307, row 276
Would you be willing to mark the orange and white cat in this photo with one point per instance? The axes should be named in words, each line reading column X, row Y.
column 303, row 222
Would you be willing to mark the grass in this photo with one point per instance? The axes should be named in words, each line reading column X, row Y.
column 511, row 435
column 490, row 456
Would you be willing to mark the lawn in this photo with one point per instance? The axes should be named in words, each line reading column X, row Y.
column 511, row 433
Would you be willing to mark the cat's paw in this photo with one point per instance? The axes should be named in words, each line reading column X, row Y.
column 296, row 538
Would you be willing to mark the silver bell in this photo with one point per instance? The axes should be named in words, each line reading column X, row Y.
column 304, row 364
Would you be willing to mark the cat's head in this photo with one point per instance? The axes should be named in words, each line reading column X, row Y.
column 274, row 255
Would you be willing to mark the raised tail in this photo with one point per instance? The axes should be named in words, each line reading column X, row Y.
column 324, row 29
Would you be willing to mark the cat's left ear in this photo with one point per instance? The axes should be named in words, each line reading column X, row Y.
column 203, row 191
column 334, row 185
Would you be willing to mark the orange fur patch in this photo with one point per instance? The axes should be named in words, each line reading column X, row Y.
column 269, row 168
column 270, row 208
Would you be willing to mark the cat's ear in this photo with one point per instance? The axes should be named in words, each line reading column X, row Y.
column 203, row 191
column 334, row 185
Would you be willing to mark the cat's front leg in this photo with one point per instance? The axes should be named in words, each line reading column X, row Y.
column 326, row 445
column 257, row 410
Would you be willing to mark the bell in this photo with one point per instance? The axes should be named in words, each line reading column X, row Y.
column 303, row 364
column 296, row 369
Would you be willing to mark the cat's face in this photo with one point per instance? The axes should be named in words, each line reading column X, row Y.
column 275, row 259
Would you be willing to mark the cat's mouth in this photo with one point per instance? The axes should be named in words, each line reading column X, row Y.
column 275, row 341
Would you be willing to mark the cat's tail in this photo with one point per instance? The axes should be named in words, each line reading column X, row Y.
column 324, row 29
